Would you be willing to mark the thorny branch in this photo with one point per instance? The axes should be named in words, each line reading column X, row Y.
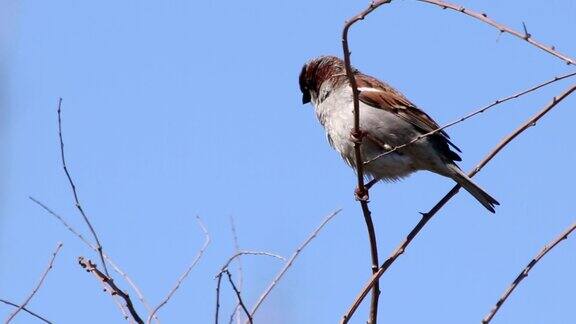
column 357, row 135
column 186, row 273
column 503, row 28
column 290, row 261
column 362, row 193
column 93, row 247
column 564, row 235
column 75, row 193
column 26, row 310
column 472, row 114
column 111, row 287
column 427, row 216
column 37, row 287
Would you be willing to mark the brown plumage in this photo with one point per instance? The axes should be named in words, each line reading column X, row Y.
column 389, row 119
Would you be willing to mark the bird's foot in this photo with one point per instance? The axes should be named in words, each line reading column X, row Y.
column 361, row 194
column 356, row 137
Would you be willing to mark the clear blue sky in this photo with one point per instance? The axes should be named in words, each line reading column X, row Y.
column 174, row 109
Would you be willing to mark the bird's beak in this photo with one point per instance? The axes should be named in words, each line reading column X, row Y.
column 306, row 97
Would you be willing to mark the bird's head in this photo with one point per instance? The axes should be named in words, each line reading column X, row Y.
column 315, row 72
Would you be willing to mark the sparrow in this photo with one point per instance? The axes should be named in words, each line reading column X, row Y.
column 387, row 120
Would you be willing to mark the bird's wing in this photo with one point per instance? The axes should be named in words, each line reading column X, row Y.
column 378, row 94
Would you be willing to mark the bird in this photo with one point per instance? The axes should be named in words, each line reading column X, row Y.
column 387, row 120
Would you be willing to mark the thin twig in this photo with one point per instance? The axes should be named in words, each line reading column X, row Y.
column 111, row 287
column 472, row 114
column 502, row 28
column 357, row 135
column 239, row 296
column 26, row 310
column 106, row 256
column 38, row 285
column 290, row 261
column 75, row 193
column 224, row 269
column 218, row 282
column 187, row 272
column 235, row 313
column 427, row 216
column 245, row 252
column 564, row 235
column 121, row 307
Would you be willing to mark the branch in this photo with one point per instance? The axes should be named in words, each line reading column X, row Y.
column 33, row 292
column 73, row 187
column 186, row 273
column 244, row 252
column 224, row 269
column 362, row 193
column 472, row 114
column 93, row 247
column 235, row 313
column 26, row 310
column 111, row 287
column 219, row 281
column 290, row 261
column 239, row 296
column 427, row 216
column 564, row 235
column 502, row 28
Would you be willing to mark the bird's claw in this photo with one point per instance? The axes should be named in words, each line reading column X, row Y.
column 357, row 136
column 361, row 194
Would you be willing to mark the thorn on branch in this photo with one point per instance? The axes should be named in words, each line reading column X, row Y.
column 526, row 33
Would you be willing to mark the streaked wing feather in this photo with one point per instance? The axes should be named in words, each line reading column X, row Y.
column 387, row 98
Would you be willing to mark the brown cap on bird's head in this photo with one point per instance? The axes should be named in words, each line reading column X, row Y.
column 316, row 71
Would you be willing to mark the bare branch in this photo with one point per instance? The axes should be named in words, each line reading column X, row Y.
column 75, row 193
column 472, row 114
column 564, row 235
column 111, row 287
column 362, row 192
column 187, row 272
column 235, row 313
column 290, row 261
column 26, row 310
column 93, row 247
column 219, row 281
column 33, row 292
column 503, row 28
column 427, row 216
column 239, row 296
column 244, row 252
column 224, row 269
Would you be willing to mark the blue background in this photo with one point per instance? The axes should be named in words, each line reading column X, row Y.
column 174, row 109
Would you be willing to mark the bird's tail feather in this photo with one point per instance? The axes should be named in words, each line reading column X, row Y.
column 482, row 196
